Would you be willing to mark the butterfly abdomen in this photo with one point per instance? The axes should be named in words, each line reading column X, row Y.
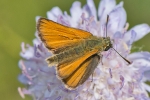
column 66, row 55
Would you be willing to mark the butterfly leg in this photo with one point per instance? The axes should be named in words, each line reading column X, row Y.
column 101, row 56
column 101, row 59
column 92, row 77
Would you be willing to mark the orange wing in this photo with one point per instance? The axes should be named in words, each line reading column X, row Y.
column 57, row 37
column 76, row 72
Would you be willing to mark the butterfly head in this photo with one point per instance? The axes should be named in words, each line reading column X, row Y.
column 108, row 43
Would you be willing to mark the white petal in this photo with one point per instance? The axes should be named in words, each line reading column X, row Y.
column 140, row 58
column 36, row 42
column 140, row 55
column 37, row 18
column 141, row 30
column 27, row 53
column 147, row 87
column 76, row 11
column 21, row 93
column 147, row 73
column 117, row 19
column 92, row 8
column 54, row 13
column 105, row 7
column 132, row 38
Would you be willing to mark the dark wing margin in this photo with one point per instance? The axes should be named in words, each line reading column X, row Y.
column 94, row 61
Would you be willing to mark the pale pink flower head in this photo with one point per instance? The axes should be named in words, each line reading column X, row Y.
column 115, row 79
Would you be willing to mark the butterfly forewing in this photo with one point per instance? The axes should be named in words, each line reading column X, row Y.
column 57, row 37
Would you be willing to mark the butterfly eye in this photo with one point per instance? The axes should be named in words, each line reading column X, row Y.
column 108, row 47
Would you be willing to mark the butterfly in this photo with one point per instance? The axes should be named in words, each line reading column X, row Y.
column 76, row 53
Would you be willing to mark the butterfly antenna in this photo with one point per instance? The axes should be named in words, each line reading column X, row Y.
column 107, row 24
column 123, row 58
column 113, row 48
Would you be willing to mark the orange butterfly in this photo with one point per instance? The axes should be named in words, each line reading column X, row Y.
column 76, row 53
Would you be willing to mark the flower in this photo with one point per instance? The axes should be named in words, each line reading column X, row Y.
column 113, row 79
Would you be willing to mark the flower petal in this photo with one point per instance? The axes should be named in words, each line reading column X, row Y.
column 147, row 73
column 27, row 53
column 105, row 7
column 92, row 8
column 117, row 19
column 132, row 38
column 141, row 30
column 147, row 87
column 54, row 13
column 139, row 55
column 142, row 61
column 76, row 12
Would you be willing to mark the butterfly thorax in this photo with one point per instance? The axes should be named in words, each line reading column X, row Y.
column 93, row 43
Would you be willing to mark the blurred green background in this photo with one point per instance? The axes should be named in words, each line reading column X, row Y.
column 17, row 24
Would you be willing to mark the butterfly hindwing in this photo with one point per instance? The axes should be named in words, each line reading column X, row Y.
column 82, row 73
column 77, row 71
column 66, row 69
column 91, row 63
